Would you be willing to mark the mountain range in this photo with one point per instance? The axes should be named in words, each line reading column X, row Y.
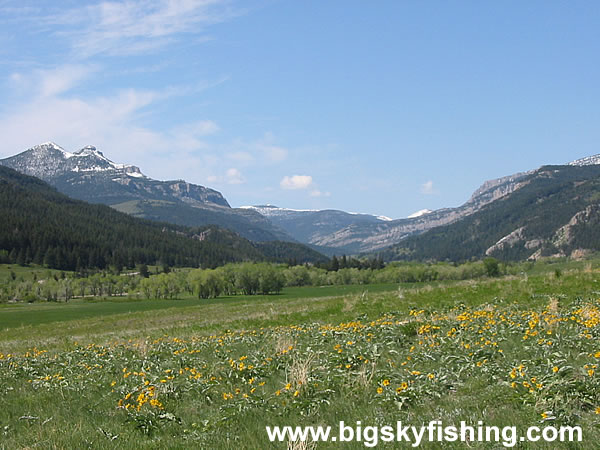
column 40, row 225
column 553, row 211
column 88, row 175
column 341, row 232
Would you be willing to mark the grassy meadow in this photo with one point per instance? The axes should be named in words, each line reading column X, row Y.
column 128, row 373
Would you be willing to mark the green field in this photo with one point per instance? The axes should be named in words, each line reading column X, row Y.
column 23, row 315
column 520, row 350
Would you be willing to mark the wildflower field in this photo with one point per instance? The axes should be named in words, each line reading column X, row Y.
column 513, row 351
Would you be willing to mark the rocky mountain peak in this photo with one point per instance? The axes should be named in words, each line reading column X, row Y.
column 89, row 150
column 87, row 174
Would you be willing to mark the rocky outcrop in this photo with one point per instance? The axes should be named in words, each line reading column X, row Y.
column 509, row 240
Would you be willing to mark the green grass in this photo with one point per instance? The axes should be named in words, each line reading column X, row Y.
column 20, row 315
column 25, row 272
column 343, row 343
column 131, row 207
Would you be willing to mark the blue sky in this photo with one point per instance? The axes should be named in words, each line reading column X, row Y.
column 383, row 107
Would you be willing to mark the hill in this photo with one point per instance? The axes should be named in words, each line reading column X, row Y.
column 555, row 212
column 38, row 224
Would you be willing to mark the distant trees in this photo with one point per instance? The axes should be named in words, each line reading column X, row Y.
column 163, row 285
column 345, row 262
column 143, row 268
column 234, row 279
column 492, row 267
column 245, row 278
column 207, row 283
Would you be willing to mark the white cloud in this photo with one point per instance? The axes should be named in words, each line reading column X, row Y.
column 15, row 77
column 318, row 193
column 296, row 182
column 234, row 176
column 63, row 79
column 427, row 188
column 264, row 150
column 231, row 176
column 273, row 153
column 50, row 82
column 111, row 122
column 199, row 128
column 137, row 26
column 71, row 121
column 190, row 136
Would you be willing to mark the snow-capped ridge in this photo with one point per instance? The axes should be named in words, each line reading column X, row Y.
column 90, row 150
column 592, row 160
column 420, row 213
column 50, row 160
column 382, row 218
column 269, row 210
column 51, row 146
column 89, row 175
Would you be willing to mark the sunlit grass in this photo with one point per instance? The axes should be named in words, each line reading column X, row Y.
column 516, row 351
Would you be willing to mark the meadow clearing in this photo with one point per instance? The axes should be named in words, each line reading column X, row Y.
column 130, row 373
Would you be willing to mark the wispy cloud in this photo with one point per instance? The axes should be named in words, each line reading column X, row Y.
column 231, row 176
column 137, row 26
column 46, row 108
column 258, row 152
column 427, row 188
column 63, row 78
column 318, row 193
column 270, row 150
column 296, row 182
column 50, row 82
column 190, row 136
column 234, row 176
column 241, row 157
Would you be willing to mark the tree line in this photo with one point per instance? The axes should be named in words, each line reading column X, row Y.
column 233, row 279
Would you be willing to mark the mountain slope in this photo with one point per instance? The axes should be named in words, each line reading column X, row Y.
column 313, row 226
column 88, row 175
column 554, row 212
column 39, row 224
column 337, row 232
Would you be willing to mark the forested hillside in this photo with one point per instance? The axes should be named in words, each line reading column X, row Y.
column 555, row 212
column 90, row 176
column 40, row 225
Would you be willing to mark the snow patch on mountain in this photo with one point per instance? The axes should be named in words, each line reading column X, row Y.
column 49, row 160
column 87, row 175
column 52, row 146
column 269, row 210
column 587, row 161
column 419, row 213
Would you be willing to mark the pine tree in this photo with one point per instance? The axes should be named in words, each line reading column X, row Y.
column 335, row 265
